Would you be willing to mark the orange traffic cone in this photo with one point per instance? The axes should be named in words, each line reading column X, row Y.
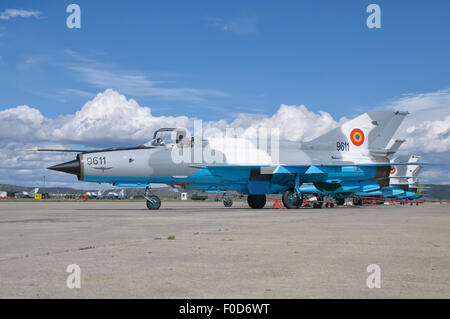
column 278, row 205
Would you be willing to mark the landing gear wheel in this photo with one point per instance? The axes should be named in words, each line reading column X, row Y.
column 291, row 200
column 340, row 201
column 318, row 205
column 357, row 201
column 227, row 202
column 256, row 201
column 153, row 202
column 319, row 202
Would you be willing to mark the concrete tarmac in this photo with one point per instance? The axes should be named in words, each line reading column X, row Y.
column 204, row 250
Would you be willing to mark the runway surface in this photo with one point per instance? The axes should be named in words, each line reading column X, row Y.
column 204, row 250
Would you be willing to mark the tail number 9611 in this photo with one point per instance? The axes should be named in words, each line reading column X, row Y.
column 343, row 146
column 96, row 160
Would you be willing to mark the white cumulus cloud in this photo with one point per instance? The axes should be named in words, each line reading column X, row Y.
column 427, row 127
column 14, row 13
column 112, row 119
column 111, row 116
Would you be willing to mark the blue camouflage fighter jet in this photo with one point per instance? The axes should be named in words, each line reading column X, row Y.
column 403, row 183
column 350, row 158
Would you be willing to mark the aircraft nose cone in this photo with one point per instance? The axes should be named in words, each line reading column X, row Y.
column 72, row 167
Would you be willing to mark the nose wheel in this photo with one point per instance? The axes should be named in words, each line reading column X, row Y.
column 153, row 201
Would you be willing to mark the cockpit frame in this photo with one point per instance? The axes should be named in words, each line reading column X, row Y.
column 180, row 137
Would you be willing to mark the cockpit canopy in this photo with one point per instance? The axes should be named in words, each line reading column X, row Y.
column 169, row 136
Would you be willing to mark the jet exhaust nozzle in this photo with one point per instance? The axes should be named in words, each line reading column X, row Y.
column 71, row 167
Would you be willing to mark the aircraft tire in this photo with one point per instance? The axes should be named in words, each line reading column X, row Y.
column 357, row 201
column 227, row 202
column 340, row 201
column 154, row 203
column 289, row 202
column 319, row 202
column 318, row 205
column 256, row 201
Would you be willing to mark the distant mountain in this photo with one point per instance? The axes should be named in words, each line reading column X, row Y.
column 55, row 190
column 437, row 192
column 433, row 192
column 163, row 192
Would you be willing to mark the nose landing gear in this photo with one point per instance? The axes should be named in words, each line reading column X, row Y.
column 153, row 201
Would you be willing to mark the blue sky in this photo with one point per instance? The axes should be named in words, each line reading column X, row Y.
column 216, row 60
column 317, row 53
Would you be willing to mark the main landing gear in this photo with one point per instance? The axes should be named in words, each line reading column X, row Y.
column 256, row 201
column 153, row 201
column 319, row 201
column 292, row 198
column 357, row 201
column 227, row 200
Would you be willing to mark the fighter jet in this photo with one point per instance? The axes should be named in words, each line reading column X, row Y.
column 112, row 195
column 403, row 182
column 352, row 157
column 100, row 195
column 339, row 195
column 26, row 194
column 122, row 194
column 408, row 186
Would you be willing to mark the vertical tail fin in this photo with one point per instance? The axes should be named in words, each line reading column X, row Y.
column 371, row 130
column 412, row 170
column 398, row 172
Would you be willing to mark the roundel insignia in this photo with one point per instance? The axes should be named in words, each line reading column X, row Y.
column 393, row 170
column 357, row 137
